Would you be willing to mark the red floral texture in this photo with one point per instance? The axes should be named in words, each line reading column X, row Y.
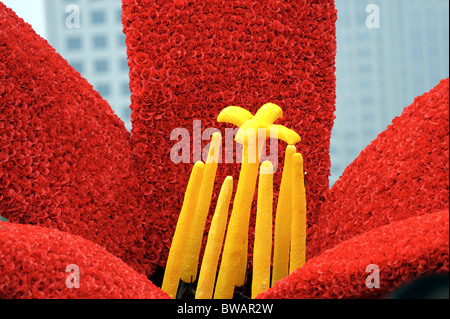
column 403, row 250
column 190, row 59
column 65, row 157
column 402, row 173
column 37, row 262
column 382, row 211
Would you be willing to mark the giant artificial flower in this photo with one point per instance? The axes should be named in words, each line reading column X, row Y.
column 77, row 189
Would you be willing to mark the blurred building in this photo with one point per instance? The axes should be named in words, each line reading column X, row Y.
column 381, row 70
column 95, row 47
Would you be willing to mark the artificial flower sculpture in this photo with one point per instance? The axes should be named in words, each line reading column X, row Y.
column 81, row 194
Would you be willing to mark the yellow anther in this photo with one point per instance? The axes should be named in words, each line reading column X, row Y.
column 235, row 115
column 283, row 220
column 284, row 134
column 184, row 224
column 194, row 243
column 213, row 248
column 263, row 231
column 269, row 113
column 264, row 118
column 298, row 230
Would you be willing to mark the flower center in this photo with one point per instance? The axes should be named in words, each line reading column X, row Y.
column 290, row 220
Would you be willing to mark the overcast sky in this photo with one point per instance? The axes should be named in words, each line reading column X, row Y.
column 32, row 11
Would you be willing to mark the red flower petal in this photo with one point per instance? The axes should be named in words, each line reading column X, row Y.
column 34, row 264
column 402, row 173
column 403, row 251
column 65, row 157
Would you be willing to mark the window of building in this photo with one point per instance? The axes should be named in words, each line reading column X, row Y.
column 126, row 112
column 365, row 68
column 343, row 18
column 74, row 43
column 125, row 88
column 119, row 16
column 350, row 116
column 103, row 89
column 121, row 39
column 364, row 52
column 123, row 64
column 336, row 170
column 350, row 134
column 351, row 150
column 367, row 101
column 366, row 86
column 368, row 118
column 334, row 150
column 98, row 17
column 77, row 65
column 100, row 41
column 101, row 66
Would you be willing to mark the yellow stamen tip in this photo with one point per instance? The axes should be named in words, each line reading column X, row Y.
column 269, row 113
column 235, row 115
column 284, row 134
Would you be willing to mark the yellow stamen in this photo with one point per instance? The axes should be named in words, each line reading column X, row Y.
column 283, row 219
column 235, row 115
column 242, row 270
column 269, row 113
column 177, row 250
column 189, row 272
column 237, row 232
column 263, row 119
column 213, row 248
column 263, row 231
column 298, row 239
column 285, row 134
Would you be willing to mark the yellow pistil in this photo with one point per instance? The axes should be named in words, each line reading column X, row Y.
column 298, row 239
column 213, row 248
column 263, row 119
column 177, row 250
column 189, row 272
column 242, row 270
column 283, row 219
column 237, row 229
column 237, row 233
column 263, row 231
